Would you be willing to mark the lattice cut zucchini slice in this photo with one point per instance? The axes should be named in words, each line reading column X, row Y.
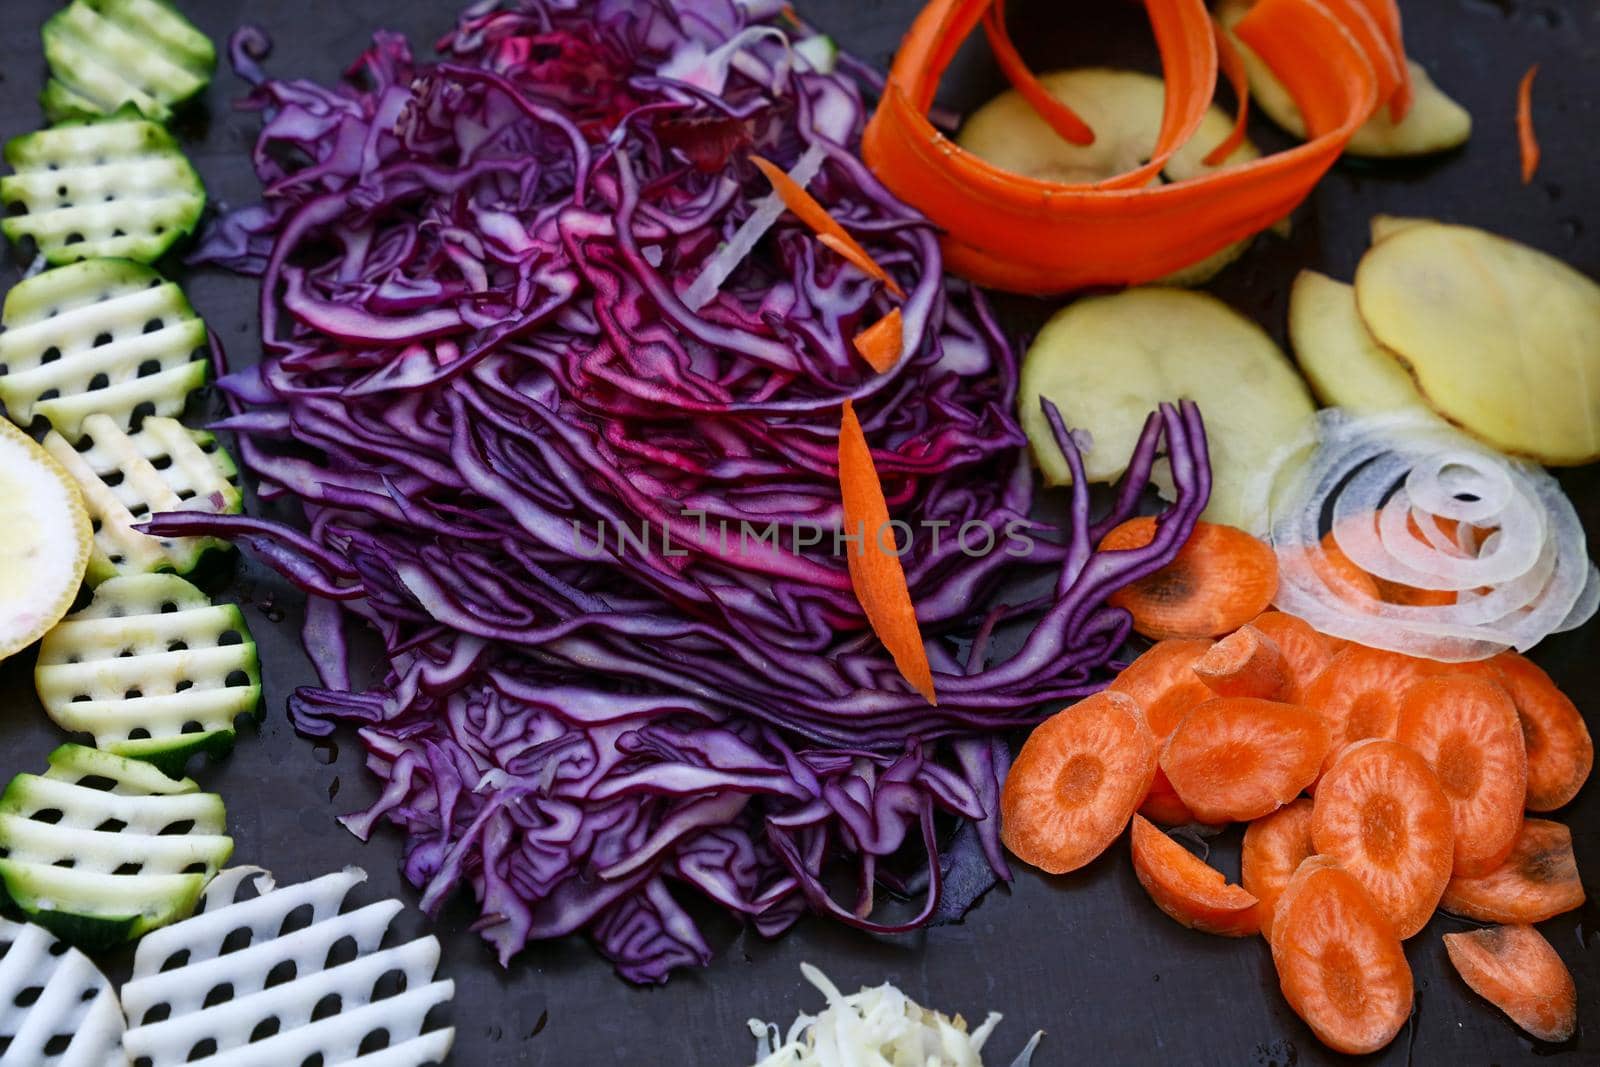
column 153, row 670
column 116, row 187
column 56, row 1008
column 104, row 336
column 125, row 478
column 107, row 53
column 100, row 848
column 203, row 992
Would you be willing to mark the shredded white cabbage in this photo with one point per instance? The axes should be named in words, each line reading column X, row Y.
column 877, row 1027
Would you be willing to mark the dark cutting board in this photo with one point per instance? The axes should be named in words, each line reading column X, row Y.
column 1087, row 957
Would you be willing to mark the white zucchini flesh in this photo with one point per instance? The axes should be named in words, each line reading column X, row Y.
column 101, row 848
column 103, row 336
column 56, row 1008
column 125, row 478
column 254, row 1005
column 152, row 670
column 111, row 188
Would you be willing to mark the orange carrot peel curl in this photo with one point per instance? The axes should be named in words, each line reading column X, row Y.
column 880, row 343
column 1008, row 231
column 1061, row 118
column 826, row 227
column 875, row 571
column 1232, row 64
column 1527, row 140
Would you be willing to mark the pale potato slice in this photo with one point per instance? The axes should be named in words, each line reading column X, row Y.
column 1435, row 122
column 1344, row 363
column 1124, row 108
column 1502, row 339
column 1108, row 361
column 1383, row 226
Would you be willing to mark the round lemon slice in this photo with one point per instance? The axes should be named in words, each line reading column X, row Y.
column 44, row 541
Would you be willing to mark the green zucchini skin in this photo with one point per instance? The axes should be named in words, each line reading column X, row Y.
column 108, row 54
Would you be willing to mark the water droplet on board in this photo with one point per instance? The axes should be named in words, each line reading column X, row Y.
column 538, row 1027
column 1280, row 1053
column 1573, row 226
column 325, row 751
column 333, row 787
column 1503, row 8
column 1552, row 190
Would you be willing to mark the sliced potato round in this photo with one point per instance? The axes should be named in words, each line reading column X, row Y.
column 1383, row 226
column 45, row 541
column 1344, row 363
column 1435, row 122
column 1124, row 108
column 1107, row 361
column 1502, row 339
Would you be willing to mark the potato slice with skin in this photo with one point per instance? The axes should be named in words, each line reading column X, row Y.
column 1344, row 363
column 1503, row 340
column 1107, row 361
column 1124, row 108
column 1385, row 226
column 1435, row 123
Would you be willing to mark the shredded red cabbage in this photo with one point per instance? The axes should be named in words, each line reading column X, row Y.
column 474, row 337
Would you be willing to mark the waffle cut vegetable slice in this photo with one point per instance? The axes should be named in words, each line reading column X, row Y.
column 104, row 336
column 251, row 978
column 56, row 1008
column 153, row 670
column 100, row 848
column 106, row 53
column 126, row 477
column 116, row 187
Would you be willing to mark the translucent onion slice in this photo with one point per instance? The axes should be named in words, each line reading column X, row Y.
column 1410, row 500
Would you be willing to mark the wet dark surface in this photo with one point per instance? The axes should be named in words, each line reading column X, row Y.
column 1087, row 957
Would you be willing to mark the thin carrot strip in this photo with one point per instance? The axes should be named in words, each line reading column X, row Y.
column 1232, row 64
column 1527, row 140
column 1387, row 14
column 827, row 228
column 1060, row 117
column 876, row 574
column 880, row 343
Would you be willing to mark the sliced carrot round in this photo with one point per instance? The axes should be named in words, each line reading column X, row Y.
column 1076, row 782
column 1538, row 880
column 1358, row 693
column 1233, row 759
column 1305, row 650
column 1560, row 751
column 1466, row 727
column 1516, row 970
column 1187, row 888
column 1339, row 963
column 1220, row 579
column 1273, row 850
column 1247, row 663
column 1381, row 813
column 1163, row 681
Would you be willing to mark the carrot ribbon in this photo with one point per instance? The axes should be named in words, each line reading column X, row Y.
column 826, row 227
column 1527, row 140
column 875, row 571
column 1012, row 232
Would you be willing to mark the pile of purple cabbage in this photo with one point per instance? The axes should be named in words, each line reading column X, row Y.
column 623, row 668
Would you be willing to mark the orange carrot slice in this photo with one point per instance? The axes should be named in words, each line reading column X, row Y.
column 1560, row 751
column 876, row 575
column 1466, row 728
column 1163, row 681
column 1381, row 813
column 880, row 344
column 1232, row 66
column 1247, row 663
column 1346, row 579
column 1358, row 693
column 1527, row 140
column 1076, row 783
column 1234, row 759
column 1537, row 881
column 1516, row 970
column 826, row 227
column 1382, row 588
column 1273, row 850
column 1220, row 579
column 1305, row 650
column 1339, row 963
column 1187, row 888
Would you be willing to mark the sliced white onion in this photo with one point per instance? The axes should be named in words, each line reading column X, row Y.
column 1391, row 486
